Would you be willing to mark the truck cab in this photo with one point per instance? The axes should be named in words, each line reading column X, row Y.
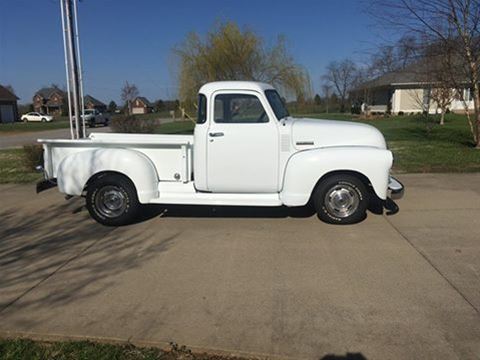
column 246, row 150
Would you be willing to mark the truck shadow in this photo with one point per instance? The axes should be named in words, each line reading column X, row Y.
column 204, row 211
column 53, row 256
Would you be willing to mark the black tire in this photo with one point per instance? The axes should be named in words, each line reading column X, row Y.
column 341, row 199
column 112, row 200
column 44, row 120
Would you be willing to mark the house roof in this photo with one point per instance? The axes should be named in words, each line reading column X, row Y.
column 46, row 93
column 91, row 99
column 7, row 95
column 420, row 72
column 144, row 100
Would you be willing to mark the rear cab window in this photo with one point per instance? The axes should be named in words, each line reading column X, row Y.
column 202, row 109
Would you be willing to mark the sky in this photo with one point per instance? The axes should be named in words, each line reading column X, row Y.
column 124, row 40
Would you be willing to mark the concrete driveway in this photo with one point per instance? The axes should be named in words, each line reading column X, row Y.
column 256, row 281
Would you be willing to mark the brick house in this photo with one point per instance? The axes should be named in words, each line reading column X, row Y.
column 91, row 103
column 141, row 105
column 50, row 101
column 8, row 106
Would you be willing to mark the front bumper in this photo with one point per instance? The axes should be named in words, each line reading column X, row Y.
column 395, row 189
column 395, row 192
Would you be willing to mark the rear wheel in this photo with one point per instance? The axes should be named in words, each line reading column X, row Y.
column 341, row 199
column 112, row 200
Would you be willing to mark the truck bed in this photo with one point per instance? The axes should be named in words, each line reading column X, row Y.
column 171, row 154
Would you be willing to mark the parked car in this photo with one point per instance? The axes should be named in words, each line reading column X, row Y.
column 36, row 116
column 246, row 150
column 94, row 117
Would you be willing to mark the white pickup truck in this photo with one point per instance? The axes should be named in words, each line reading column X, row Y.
column 94, row 117
column 246, row 150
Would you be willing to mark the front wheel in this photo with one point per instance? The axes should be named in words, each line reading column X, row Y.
column 341, row 199
column 112, row 200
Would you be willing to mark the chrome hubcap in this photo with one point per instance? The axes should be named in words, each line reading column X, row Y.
column 342, row 200
column 111, row 201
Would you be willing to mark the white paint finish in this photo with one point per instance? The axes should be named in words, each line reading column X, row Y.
column 233, row 86
column 186, row 194
column 36, row 116
column 245, row 158
column 313, row 133
column 305, row 168
column 245, row 166
column 200, row 158
column 76, row 169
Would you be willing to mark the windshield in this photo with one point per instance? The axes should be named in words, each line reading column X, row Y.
column 277, row 104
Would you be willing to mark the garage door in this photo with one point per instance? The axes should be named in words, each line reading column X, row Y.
column 6, row 113
column 137, row 110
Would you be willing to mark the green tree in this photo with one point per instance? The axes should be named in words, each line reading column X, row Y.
column 228, row 53
column 317, row 99
column 112, row 106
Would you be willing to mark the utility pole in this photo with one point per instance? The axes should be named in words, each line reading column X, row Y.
column 73, row 68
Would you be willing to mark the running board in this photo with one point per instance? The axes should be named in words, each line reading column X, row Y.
column 185, row 194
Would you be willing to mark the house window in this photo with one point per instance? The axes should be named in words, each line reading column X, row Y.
column 426, row 99
column 468, row 94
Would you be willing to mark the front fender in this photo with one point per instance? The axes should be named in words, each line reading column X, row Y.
column 75, row 170
column 305, row 168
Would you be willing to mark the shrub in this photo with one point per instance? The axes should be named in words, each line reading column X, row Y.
column 132, row 124
column 33, row 155
column 401, row 113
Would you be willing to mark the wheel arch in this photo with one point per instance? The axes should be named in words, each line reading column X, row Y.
column 104, row 173
column 362, row 177
column 77, row 170
column 305, row 170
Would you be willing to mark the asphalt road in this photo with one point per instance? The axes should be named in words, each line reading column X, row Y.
column 262, row 281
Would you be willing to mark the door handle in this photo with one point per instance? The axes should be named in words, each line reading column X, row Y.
column 215, row 134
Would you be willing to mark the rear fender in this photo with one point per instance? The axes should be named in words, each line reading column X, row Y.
column 305, row 168
column 75, row 170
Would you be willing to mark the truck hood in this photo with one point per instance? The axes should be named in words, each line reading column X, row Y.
column 314, row 133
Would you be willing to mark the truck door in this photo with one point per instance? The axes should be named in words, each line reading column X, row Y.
column 242, row 145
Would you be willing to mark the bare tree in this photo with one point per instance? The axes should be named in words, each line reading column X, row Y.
column 327, row 92
column 390, row 58
column 442, row 96
column 449, row 24
column 343, row 76
column 129, row 93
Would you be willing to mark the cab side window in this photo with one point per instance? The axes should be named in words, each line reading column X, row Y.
column 239, row 109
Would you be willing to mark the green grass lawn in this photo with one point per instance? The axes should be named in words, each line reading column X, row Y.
column 17, row 127
column 447, row 148
column 86, row 350
column 177, row 127
column 14, row 169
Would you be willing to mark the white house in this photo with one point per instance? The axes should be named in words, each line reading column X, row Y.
column 406, row 91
